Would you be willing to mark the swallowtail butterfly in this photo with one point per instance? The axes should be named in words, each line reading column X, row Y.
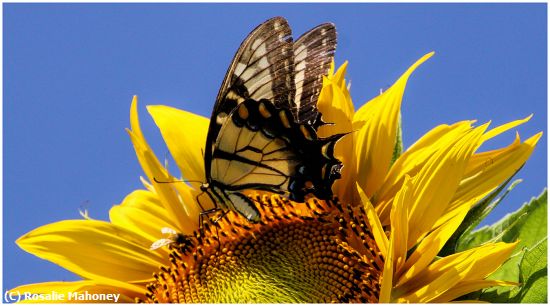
column 263, row 129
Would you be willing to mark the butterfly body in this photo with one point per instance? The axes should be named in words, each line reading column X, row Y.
column 263, row 128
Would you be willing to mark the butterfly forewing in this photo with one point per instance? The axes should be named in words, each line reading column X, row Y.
column 313, row 54
column 260, row 70
column 268, row 65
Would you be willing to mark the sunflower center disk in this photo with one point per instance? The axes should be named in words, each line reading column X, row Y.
column 309, row 252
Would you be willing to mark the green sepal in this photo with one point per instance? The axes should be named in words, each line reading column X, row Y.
column 398, row 148
column 528, row 224
column 459, row 240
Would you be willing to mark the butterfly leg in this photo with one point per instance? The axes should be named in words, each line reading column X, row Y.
column 221, row 216
column 205, row 214
column 208, row 212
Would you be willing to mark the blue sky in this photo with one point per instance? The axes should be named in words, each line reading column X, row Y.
column 70, row 72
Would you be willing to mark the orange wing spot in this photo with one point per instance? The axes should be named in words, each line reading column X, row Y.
column 284, row 119
column 243, row 111
column 263, row 111
column 305, row 132
column 308, row 184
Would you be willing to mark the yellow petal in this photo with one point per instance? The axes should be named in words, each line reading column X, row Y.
column 466, row 287
column 487, row 263
column 455, row 208
column 141, row 212
column 192, row 200
column 375, row 141
column 400, row 223
column 436, row 183
column 493, row 168
column 412, row 161
column 336, row 107
column 94, row 250
column 387, row 274
column 429, row 247
column 473, row 264
column 377, row 230
column 63, row 292
column 482, row 160
column 337, row 97
column 168, row 194
column 185, row 136
column 503, row 128
column 435, row 288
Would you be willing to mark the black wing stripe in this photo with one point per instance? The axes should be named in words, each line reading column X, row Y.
column 256, row 150
column 260, row 61
column 276, row 188
column 219, row 154
column 277, row 150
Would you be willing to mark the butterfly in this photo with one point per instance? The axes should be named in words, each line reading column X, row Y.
column 263, row 129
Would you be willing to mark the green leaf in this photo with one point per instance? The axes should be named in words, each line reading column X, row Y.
column 534, row 275
column 460, row 239
column 528, row 265
column 493, row 295
column 398, row 148
column 528, row 224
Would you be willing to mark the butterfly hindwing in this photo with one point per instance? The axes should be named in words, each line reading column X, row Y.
column 264, row 150
column 250, row 154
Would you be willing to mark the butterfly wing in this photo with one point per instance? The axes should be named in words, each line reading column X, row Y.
column 260, row 147
column 268, row 65
column 262, row 133
column 259, row 70
column 313, row 55
column 251, row 154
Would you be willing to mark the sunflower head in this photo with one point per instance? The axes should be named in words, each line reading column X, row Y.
column 298, row 252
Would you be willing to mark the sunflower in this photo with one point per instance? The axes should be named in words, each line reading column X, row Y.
column 379, row 240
